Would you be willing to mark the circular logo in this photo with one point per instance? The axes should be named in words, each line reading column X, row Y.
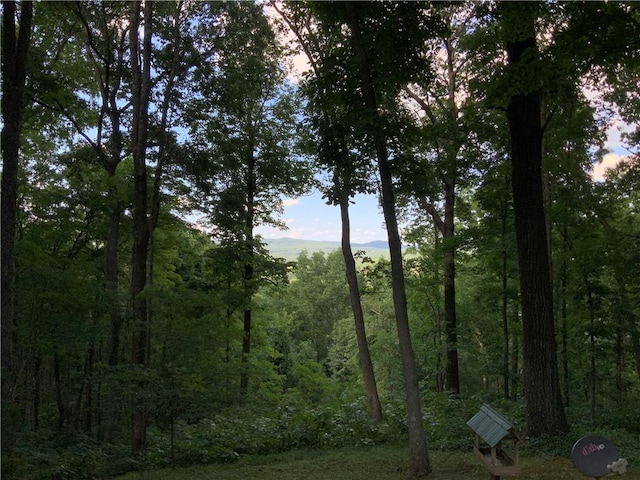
column 592, row 454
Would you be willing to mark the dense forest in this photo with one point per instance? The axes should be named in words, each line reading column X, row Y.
column 145, row 322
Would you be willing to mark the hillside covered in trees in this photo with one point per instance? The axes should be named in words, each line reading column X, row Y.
column 136, row 338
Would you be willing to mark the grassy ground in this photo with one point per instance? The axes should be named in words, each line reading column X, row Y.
column 378, row 463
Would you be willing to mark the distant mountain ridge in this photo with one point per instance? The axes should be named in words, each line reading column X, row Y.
column 290, row 248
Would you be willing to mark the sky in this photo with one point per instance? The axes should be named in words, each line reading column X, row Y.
column 310, row 218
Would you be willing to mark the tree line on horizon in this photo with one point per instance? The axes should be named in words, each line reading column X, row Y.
column 475, row 124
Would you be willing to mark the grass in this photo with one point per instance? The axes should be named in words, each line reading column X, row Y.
column 376, row 463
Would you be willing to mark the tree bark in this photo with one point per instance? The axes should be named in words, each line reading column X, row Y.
column 248, row 269
column 563, row 314
column 505, row 308
column 418, row 453
column 141, row 87
column 15, row 48
column 544, row 410
column 452, row 376
column 449, row 147
column 366, row 365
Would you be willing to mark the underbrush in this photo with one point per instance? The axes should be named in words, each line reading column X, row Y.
column 49, row 455
column 239, row 432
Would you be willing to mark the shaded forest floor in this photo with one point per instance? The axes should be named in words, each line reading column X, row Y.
column 377, row 463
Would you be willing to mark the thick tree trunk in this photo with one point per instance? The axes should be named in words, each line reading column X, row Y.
column 368, row 376
column 14, row 70
column 141, row 87
column 418, row 453
column 544, row 410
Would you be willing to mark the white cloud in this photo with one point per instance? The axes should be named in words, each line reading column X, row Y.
column 610, row 160
column 614, row 133
column 290, row 201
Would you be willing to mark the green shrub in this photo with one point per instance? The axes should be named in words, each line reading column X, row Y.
column 51, row 456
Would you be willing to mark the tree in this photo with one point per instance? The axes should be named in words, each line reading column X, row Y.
column 62, row 312
column 333, row 153
column 449, row 124
column 243, row 125
column 15, row 50
column 105, row 48
column 317, row 299
column 141, row 90
column 418, row 454
column 544, row 409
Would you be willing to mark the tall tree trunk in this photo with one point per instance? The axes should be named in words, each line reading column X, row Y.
column 452, row 376
column 446, row 228
column 164, row 147
column 418, row 453
column 107, row 77
column 15, row 48
column 368, row 375
column 88, row 378
column 111, row 278
column 248, row 269
column 592, row 351
column 437, row 315
column 35, row 393
column 544, row 410
column 366, row 365
column 563, row 314
column 62, row 411
column 505, row 315
column 515, row 364
column 141, row 87
column 451, row 148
